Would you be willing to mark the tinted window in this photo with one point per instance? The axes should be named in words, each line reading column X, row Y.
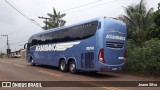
column 78, row 32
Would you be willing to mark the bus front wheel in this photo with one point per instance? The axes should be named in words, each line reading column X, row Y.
column 32, row 63
column 72, row 67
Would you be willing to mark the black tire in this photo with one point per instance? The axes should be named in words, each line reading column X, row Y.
column 63, row 66
column 72, row 67
column 32, row 63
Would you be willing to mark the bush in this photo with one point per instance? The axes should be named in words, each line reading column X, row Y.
column 143, row 60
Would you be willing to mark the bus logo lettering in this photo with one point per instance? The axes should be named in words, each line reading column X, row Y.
column 109, row 36
column 56, row 47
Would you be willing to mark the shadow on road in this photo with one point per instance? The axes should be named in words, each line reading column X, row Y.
column 46, row 67
column 99, row 75
column 82, row 73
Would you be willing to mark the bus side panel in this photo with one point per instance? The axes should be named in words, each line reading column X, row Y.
column 86, row 54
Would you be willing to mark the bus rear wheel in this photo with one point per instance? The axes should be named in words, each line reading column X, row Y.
column 63, row 66
column 72, row 67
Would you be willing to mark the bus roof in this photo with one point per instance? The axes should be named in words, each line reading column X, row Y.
column 63, row 27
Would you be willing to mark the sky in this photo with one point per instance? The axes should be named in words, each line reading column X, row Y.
column 19, row 29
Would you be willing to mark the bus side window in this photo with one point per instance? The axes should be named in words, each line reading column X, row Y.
column 25, row 45
column 99, row 25
column 28, row 46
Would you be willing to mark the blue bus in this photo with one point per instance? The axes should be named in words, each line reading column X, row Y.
column 94, row 45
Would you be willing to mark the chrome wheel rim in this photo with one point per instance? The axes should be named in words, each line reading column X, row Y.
column 31, row 61
column 72, row 67
column 62, row 66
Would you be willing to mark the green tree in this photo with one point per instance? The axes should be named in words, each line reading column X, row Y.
column 156, row 16
column 56, row 19
column 154, row 31
column 138, row 20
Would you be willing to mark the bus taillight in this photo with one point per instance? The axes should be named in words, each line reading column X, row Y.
column 124, row 55
column 101, row 56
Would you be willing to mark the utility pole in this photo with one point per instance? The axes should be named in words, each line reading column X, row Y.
column 8, row 47
column 46, row 19
column 1, row 56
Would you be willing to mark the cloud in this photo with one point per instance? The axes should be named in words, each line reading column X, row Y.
column 10, row 19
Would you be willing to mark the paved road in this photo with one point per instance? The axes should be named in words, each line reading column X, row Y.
column 20, row 70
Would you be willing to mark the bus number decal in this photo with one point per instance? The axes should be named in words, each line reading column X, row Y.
column 89, row 48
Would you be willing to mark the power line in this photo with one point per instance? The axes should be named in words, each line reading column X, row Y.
column 45, row 18
column 31, row 20
column 2, row 47
column 20, row 28
column 20, row 38
column 19, row 42
column 3, row 40
column 66, row 10
column 93, row 6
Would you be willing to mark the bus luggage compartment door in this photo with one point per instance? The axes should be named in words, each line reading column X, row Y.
column 87, row 60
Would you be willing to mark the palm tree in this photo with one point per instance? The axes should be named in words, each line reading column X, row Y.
column 154, row 31
column 138, row 21
column 55, row 19
column 156, row 16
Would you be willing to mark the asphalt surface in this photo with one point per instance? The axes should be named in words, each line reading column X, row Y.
column 20, row 70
